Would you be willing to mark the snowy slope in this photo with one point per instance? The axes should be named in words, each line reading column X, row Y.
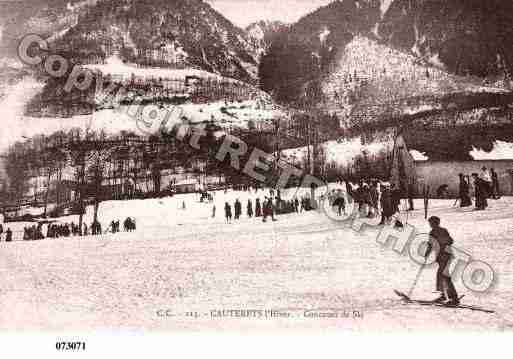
column 301, row 263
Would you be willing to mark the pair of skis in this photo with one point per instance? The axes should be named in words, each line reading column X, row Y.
column 407, row 300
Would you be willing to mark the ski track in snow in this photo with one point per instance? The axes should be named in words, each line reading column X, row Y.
column 182, row 260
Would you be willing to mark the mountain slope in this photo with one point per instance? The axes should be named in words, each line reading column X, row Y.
column 468, row 36
column 181, row 33
column 178, row 34
column 263, row 33
column 462, row 37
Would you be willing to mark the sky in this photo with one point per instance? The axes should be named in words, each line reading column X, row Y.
column 244, row 12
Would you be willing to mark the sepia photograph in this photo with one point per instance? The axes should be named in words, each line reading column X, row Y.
column 257, row 167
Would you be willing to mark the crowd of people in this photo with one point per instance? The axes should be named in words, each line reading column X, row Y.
column 59, row 230
column 272, row 205
column 486, row 186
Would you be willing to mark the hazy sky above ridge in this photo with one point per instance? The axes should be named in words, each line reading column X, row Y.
column 244, row 12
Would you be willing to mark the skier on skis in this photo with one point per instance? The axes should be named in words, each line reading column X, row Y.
column 444, row 283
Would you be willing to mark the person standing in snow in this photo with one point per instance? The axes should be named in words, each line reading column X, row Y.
column 214, row 211
column 487, row 178
column 340, row 203
column 258, row 208
column 8, row 235
column 496, row 194
column 238, row 209
column 464, row 194
column 249, row 209
column 387, row 208
column 228, row 212
column 481, row 189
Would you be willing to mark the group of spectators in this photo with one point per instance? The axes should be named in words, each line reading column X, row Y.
column 269, row 207
column 129, row 225
column 486, row 186
column 8, row 233
column 371, row 197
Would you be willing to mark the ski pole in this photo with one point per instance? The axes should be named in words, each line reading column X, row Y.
column 417, row 278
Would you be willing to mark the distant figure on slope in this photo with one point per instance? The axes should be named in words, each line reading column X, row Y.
column 340, row 203
column 296, row 205
column 258, row 208
column 214, row 211
column 228, row 212
column 387, row 208
column 8, row 235
column 268, row 209
column 487, row 178
column 249, row 209
column 496, row 193
column 129, row 224
column 440, row 238
column 96, row 228
column 481, row 189
column 238, row 209
column 464, row 194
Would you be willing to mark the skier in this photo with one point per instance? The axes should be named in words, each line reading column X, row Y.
column 444, row 241
column 214, row 211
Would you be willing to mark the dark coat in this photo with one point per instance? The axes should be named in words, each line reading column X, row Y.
column 386, row 203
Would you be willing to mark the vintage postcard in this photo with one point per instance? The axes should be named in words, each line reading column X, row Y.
column 255, row 166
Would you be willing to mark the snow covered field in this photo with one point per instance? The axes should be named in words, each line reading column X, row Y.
column 181, row 261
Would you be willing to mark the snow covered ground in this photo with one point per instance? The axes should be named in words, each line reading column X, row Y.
column 341, row 153
column 116, row 68
column 180, row 261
